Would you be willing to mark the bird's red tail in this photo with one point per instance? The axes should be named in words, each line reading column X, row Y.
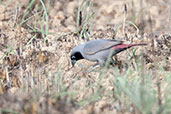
column 125, row 46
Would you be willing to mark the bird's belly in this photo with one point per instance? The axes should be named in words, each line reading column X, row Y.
column 91, row 57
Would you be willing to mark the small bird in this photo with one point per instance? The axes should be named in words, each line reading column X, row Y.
column 99, row 50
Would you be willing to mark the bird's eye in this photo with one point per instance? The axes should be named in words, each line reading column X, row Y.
column 73, row 57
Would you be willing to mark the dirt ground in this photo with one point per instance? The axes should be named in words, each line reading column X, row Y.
column 36, row 56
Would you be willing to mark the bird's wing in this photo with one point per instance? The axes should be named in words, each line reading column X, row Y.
column 95, row 46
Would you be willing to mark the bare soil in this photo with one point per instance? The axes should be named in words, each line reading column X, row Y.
column 37, row 63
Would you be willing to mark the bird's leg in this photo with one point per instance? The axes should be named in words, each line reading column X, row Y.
column 109, row 62
column 95, row 66
column 112, row 62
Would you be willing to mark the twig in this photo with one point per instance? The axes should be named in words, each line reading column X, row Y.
column 159, row 96
column 151, row 30
column 21, row 75
column 124, row 19
column 7, row 77
column 159, row 92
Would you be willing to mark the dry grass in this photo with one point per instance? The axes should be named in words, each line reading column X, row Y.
column 36, row 38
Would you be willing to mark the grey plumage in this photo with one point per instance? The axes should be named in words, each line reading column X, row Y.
column 98, row 50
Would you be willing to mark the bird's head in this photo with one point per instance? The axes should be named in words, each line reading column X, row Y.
column 75, row 57
column 76, row 54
